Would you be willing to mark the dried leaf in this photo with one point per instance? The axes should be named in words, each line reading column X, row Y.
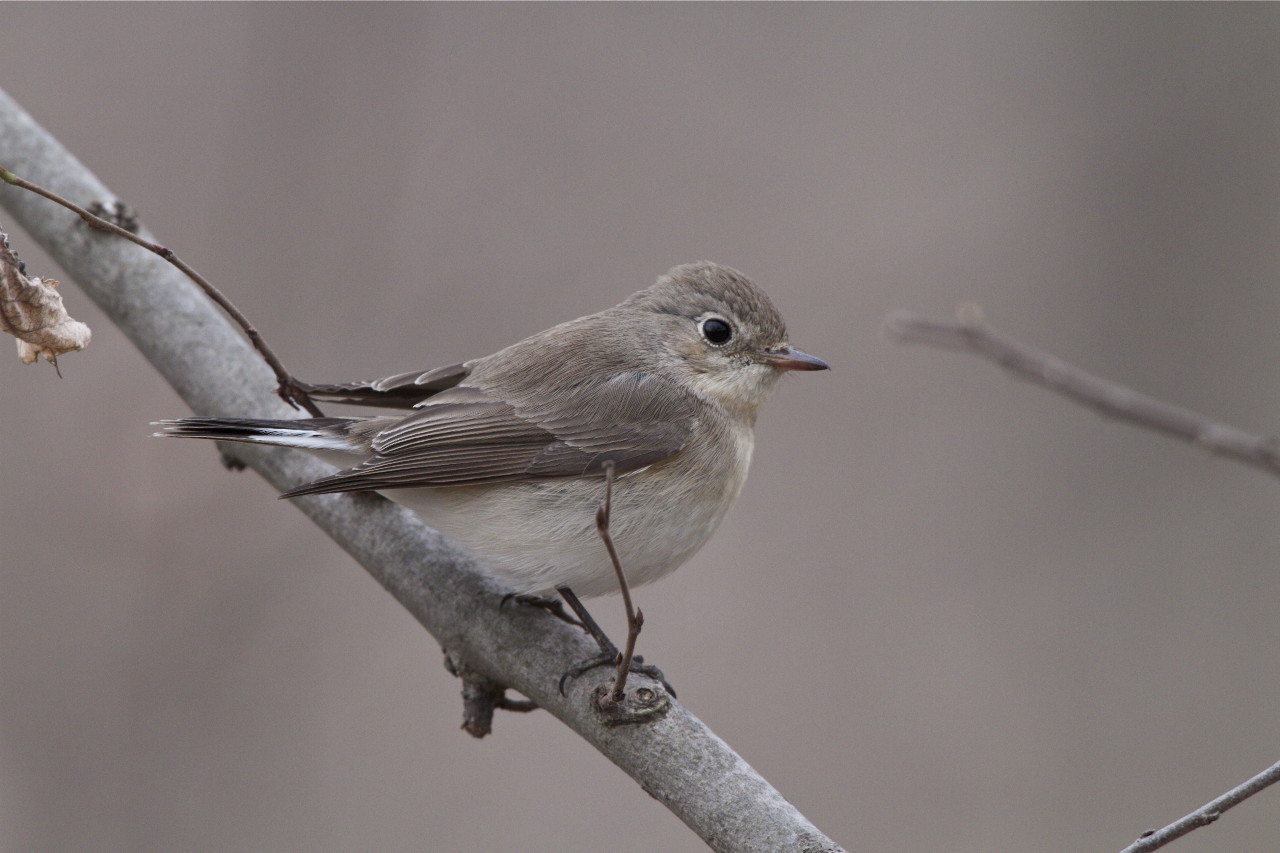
column 31, row 310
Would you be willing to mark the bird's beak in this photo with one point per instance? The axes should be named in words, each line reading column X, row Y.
column 790, row 358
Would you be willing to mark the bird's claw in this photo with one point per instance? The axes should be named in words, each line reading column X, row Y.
column 607, row 658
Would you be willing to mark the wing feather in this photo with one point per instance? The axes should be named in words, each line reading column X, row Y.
column 402, row 391
column 467, row 436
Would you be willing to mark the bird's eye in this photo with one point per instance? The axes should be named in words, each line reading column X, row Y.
column 716, row 331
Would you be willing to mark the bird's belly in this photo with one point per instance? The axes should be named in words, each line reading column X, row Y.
column 537, row 536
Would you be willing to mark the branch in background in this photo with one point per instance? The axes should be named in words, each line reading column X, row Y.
column 674, row 757
column 289, row 389
column 1206, row 814
column 972, row 335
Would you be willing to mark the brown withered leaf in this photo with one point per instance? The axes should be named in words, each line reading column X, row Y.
column 31, row 310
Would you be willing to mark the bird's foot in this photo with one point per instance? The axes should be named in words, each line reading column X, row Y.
column 609, row 657
column 552, row 605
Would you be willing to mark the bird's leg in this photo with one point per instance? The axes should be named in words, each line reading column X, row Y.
column 627, row 660
column 588, row 623
column 609, row 654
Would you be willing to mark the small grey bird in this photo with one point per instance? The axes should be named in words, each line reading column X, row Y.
column 506, row 454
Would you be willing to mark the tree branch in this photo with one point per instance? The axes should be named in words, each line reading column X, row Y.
column 1206, row 814
column 972, row 335
column 674, row 757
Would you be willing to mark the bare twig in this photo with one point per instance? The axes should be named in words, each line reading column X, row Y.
column 613, row 704
column 972, row 335
column 635, row 618
column 1206, row 814
column 969, row 333
column 289, row 389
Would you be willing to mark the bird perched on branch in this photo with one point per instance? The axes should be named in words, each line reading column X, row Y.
column 506, row 454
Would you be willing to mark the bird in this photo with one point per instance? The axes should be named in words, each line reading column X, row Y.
column 507, row 454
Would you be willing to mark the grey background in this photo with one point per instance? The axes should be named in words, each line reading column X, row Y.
column 950, row 611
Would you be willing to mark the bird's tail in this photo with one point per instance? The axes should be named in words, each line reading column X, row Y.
column 306, row 433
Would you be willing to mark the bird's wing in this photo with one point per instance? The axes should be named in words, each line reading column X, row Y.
column 467, row 436
column 402, row 391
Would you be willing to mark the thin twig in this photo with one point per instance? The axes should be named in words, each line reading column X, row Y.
column 972, row 335
column 969, row 333
column 289, row 389
column 1206, row 814
column 635, row 618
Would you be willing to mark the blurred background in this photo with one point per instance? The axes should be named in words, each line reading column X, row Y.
column 950, row 611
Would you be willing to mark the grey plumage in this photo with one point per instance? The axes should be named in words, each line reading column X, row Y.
column 505, row 452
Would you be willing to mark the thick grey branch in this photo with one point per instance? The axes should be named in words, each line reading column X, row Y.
column 675, row 758
column 972, row 335
column 1206, row 814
